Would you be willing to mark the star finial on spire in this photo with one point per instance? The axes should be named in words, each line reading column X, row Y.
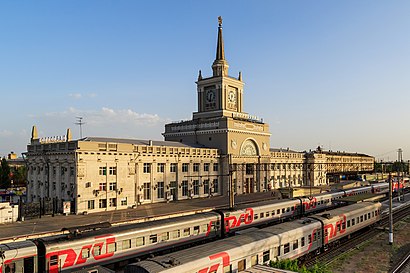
column 220, row 21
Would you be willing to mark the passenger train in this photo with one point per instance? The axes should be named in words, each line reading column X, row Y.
column 69, row 252
column 289, row 240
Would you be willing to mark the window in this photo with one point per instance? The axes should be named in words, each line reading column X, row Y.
column 175, row 234
column 185, row 167
column 103, row 186
column 278, row 211
column 196, row 187
column 147, row 168
column 187, row 231
column 90, row 204
column 173, row 167
column 206, row 186
column 113, row 202
column 71, row 171
column 112, row 186
column 53, row 261
column 153, row 239
column 88, row 184
column 261, row 215
column 353, row 222
column 160, row 190
column 196, row 167
column 103, row 171
column 216, row 186
column 196, row 230
column 302, row 242
column 97, row 250
column 295, row 244
column 140, row 241
column 310, row 239
column 348, row 223
column 165, row 236
column 266, row 256
column 126, row 244
column 161, row 167
column 111, row 247
column 102, row 203
column 124, row 201
column 254, row 260
column 113, row 170
column 242, row 265
column 85, row 253
column 206, row 167
column 185, row 188
column 215, row 167
column 286, row 248
column 227, row 269
column 147, row 191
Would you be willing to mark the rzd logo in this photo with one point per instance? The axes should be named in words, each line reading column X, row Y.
column 233, row 222
column 332, row 230
column 225, row 259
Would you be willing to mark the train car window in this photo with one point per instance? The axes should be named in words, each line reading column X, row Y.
column 165, row 236
column 365, row 217
column 338, row 226
column 266, row 256
column 267, row 214
column 254, row 260
column 112, row 247
column 353, row 222
column 187, row 231
column 256, row 216
column 228, row 269
column 140, row 241
column 126, row 244
column 85, row 253
column 302, row 241
column 153, row 239
column 310, row 239
column 295, row 244
column 54, row 260
column 292, row 208
column 242, row 265
column 176, row 234
column 357, row 220
column 97, row 250
column 276, row 251
column 372, row 213
column 204, row 228
column 283, row 210
column 10, row 268
column 368, row 215
column 348, row 223
column 361, row 218
column 278, row 211
column 261, row 215
column 196, row 230
column 314, row 236
column 287, row 209
column 286, row 248
column 29, row 265
column 344, row 225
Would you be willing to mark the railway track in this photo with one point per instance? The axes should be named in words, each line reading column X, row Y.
column 403, row 266
column 358, row 238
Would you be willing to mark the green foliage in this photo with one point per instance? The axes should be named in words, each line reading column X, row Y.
column 292, row 265
column 4, row 174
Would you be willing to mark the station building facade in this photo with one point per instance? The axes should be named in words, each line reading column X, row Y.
column 220, row 148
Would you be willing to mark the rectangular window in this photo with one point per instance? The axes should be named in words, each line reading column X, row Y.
column 348, row 223
column 206, row 167
column 85, row 253
column 147, row 168
column 111, row 247
column 160, row 167
column 302, row 241
column 185, row 167
column 147, row 191
column 88, row 184
column 196, row 167
column 196, row 230
column 90, row 204
column 286, row 248
column 126, row 244
column 124, row 201
column 206, row 186
column 310, row 239
column 215, row 186
column 227, row 269
column 112, row 186
column 353, row 222
column 160, row 190
column 102, row 203
column 173, row 167
column 103, row 171
column 103, row 186
column 215, row 167
column 254, row 260
column 242, row 265
column 175, row 234
column 187, row 232
column 113, row 202
column 140, row 241
column 113, row 170
column 185, row 188
column 266, row 256
column 195, row 184
column 153, row 239
column 295, row 244
column 165, row 236
column 97, row 250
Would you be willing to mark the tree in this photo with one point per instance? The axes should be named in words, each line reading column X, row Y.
column 4, row 174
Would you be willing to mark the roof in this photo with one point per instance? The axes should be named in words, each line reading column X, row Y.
column 143, row 142
column 280, row 150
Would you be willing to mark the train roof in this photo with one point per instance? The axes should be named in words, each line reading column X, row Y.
column 149, row 225
column 345, row 210
column 17, row 245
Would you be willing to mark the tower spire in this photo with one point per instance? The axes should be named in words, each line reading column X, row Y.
column 220, row 65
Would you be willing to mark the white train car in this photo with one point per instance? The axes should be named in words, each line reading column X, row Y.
column 284, row 241
column 18, row 257
column 105, row 246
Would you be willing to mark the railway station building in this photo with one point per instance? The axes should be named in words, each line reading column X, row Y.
column 220, row 147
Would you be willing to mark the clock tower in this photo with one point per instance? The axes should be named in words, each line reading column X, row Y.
column 220, row 121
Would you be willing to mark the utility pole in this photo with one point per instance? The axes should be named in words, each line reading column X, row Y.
column 231, row 186
column 390, row 212
column 399, row 172
column 80, row 123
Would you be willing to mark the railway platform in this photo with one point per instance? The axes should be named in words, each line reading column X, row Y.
column 48, row 225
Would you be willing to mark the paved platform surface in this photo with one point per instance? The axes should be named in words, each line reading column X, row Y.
column 49, row 224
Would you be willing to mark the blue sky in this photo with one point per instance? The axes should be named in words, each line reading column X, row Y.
column 329, row 73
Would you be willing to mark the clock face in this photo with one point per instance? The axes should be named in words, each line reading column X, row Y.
column 210, row 96
column 232, row 97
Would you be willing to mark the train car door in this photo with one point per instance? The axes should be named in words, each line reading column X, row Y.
column 29, row 265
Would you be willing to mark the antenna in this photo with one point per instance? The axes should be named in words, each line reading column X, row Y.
column 80, row 123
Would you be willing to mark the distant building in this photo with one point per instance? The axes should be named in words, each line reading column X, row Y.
column 200, row 157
